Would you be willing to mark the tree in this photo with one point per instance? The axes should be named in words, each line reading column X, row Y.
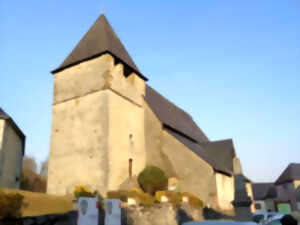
column 44, row 169
column 30, row 163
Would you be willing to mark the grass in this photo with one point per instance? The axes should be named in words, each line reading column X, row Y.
column 35, row 204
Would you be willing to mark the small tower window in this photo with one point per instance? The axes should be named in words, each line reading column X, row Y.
column 130, row 168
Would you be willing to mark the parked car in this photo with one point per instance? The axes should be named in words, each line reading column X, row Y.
column 262, row 217
column 275, row 220
column 219, row 222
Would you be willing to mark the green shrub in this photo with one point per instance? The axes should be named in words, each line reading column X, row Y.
column 152, row 179
column 10, row 205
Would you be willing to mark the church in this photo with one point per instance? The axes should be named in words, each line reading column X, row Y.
column 106, row 117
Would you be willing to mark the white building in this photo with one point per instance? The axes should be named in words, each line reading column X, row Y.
column 12, row 147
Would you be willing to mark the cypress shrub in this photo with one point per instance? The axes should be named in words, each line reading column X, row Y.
column 152, row 179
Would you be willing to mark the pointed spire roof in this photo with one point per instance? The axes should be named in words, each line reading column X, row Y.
column 99, row 39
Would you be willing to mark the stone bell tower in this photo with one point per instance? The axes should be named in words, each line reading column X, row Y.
column 97, row 115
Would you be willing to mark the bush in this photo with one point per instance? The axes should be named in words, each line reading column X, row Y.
column 29, row 163
column 152, row 179
column 10, row 205
column 33, row 182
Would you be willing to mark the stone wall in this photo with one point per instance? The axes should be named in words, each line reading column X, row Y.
column 126, row 140
column 10, row 156
column 155, row 156
column 167, row 215
column 79, row 144
column 97, row 126
column 159, row 214
column 194, row 174
column 225, row 187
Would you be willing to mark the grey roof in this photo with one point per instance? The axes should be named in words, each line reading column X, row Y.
column 180, row 125
column 200, row 151
column 222, row 151
column 5, row 116
column 260, row 190
column 292, row 172
column 171, row 115
column 99, row 39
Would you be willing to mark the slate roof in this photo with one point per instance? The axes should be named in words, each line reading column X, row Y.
column 99, row 39
column 222, row 151
column 260, row 190
column 171, row 115
column 291, row 173
column 180, row 125
column 5, row 116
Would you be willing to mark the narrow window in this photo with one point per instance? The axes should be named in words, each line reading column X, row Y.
column 130, row 168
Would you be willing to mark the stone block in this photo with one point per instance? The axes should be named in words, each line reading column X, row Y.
column 164, row 198
column 185, row 199
column 131, row 201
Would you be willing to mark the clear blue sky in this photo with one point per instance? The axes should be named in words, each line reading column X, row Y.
column 233, row 65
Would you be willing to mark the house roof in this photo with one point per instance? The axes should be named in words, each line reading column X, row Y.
column 99, row 39
column 291, row 173
column 271, row 193
column 172, row 116
column 260, row 190
column 5, row 116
